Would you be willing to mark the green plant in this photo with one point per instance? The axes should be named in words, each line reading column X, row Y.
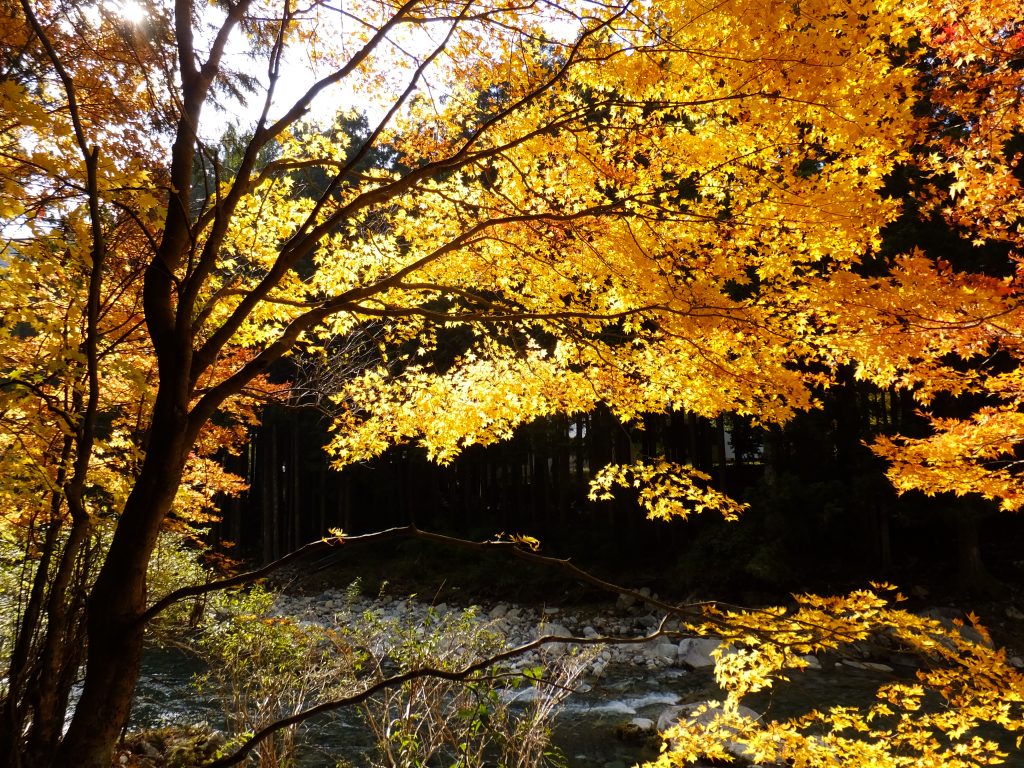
column 464, row 723
column 265, row 667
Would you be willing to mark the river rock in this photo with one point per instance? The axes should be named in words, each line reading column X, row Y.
column 546, row 629
column 625, row 601
column 685, row 712
column 649, row 622
column 906, row 660
column 695, row 652
column 660, row 649
column 948, row 618
column 644, row 724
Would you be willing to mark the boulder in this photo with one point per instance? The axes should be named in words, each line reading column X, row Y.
column 695, row 652
column 660, row 649
column 867, row 666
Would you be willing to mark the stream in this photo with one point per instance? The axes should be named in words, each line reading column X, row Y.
column 587, row 727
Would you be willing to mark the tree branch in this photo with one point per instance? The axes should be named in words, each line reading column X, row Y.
column 414, row 674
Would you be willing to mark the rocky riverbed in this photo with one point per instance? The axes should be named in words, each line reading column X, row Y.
column 632, row 690
column 628, row 691
column 626, row 620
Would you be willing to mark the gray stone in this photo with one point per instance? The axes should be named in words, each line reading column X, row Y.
column 643, row 723
column 948, row 618
column 663, row 650
column 649, row 622
column 499, row 611
column 678, row 713
column 148, row 749
column 552, row 629
column 695, row 652
column 904, row 660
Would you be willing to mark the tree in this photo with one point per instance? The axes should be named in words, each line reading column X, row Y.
column 943, row 321
column 628, row 204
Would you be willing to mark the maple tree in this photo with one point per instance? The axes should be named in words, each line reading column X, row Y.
column 645, row 206
column 940, row 325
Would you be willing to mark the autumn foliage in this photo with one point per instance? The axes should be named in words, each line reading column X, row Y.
column 646, row 207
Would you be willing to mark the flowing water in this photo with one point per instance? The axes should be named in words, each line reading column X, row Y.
column 587, row 730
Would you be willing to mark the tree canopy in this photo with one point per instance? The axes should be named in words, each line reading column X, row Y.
column 647, row 206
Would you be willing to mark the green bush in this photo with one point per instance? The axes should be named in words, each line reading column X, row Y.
column 265, row 667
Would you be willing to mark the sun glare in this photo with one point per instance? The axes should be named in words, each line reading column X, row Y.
column 129, row 10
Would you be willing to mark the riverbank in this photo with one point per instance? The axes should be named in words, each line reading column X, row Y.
column 626, row 688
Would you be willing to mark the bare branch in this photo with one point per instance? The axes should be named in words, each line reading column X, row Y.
column 414, row 674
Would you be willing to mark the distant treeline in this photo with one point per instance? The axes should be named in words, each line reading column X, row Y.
column 821, row 510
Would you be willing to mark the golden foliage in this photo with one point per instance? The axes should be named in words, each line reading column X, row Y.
column 665, row 489
column 964, row 706
column 642, row 206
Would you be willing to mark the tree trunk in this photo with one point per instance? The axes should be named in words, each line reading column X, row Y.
column 60, row 653
column 118, row 600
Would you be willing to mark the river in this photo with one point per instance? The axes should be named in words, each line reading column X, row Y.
column 588, row 729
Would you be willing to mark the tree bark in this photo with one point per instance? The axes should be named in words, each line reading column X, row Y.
column 118, row 598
